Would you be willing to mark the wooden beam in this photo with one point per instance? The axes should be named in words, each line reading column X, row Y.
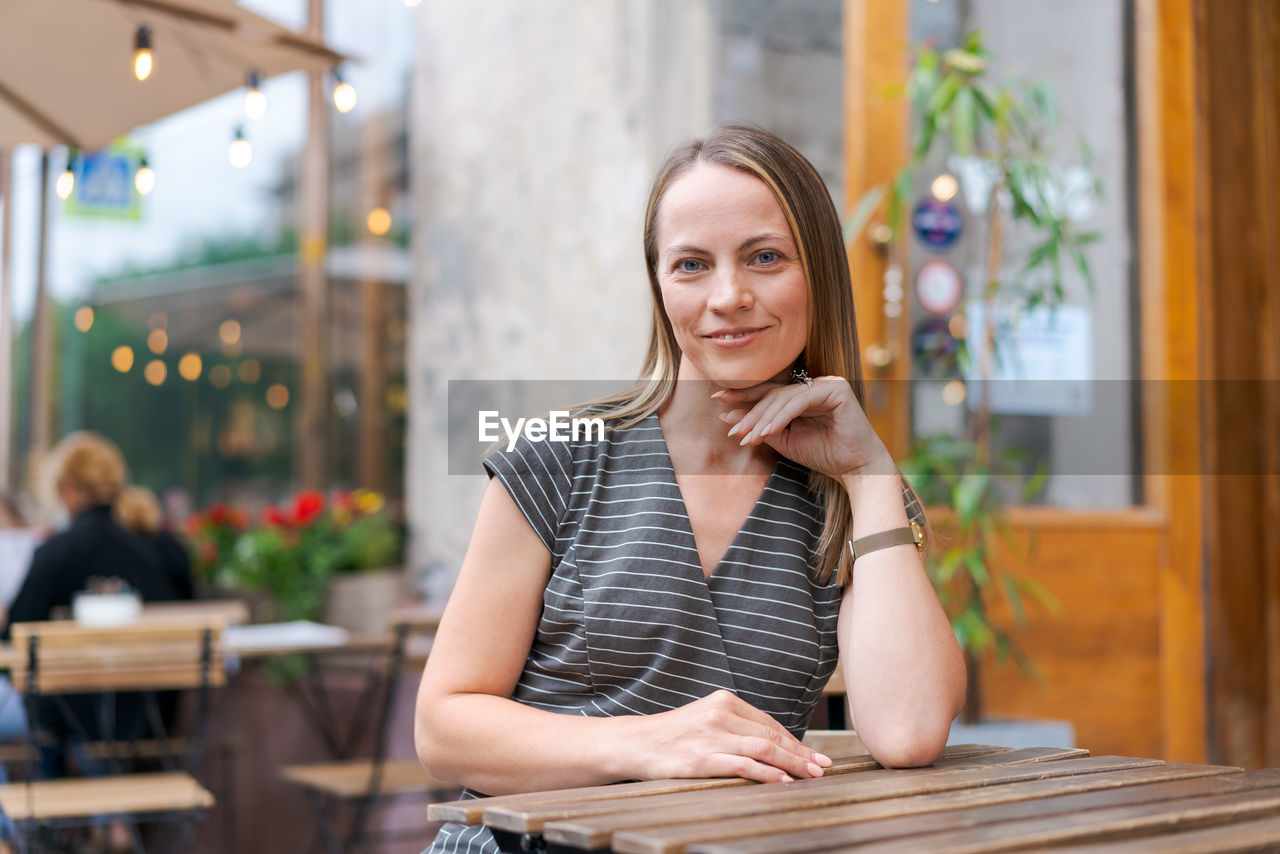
column 876, row 132
column 1172, row 245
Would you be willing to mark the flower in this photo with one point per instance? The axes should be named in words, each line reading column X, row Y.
column 297, row 547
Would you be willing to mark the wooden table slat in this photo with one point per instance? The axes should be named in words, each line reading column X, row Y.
column 1256, row 835
column 902, row 817
column 532, row 820
column 471, row 811
column 568, row 826
column 811, row 829
column 1179, row 815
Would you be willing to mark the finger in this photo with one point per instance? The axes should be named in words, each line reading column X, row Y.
column 765, row 748
column 776, row 412
column 746, row 395
column 788, row 410
column 762, row 724
column 735, row 765
column 766, row 403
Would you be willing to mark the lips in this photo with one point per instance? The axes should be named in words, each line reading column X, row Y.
column 737, row 336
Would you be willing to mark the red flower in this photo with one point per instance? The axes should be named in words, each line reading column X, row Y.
column 306, row 506
column 239, row 519
column 273, row 517
column 218, row 513
column 208, row 553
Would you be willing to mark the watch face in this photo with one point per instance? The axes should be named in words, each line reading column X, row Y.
column 939, row 287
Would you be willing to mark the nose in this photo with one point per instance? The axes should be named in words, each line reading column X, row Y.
column 730, row 292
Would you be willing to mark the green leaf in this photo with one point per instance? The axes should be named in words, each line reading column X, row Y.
column 1035, row 484
column 977, row 567
column 963, row 120
column 968, row 496
column 862, row 213
column 941, row 99
column 1015, row 601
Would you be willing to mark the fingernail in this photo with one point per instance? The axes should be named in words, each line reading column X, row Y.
column 813, row 769
column 733, row 431
column 822, row 759
column 787, row 778
column 717, row 394
column 766, row 430
column 745, row 440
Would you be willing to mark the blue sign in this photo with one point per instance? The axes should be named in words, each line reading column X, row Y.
column 104, row 185
column 936, row 223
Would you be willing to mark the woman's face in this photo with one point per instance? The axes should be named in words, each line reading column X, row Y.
column 731, row 279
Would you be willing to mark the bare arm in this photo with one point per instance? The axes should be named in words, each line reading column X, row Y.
column 904, row 673
column 469, row 731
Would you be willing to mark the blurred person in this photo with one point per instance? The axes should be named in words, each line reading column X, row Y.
column 138, row 510
column 17, row 542
column 88, row 476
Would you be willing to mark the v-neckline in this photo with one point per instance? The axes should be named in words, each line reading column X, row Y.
column 688, row 521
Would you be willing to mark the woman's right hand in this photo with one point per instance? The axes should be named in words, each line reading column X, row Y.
column 721, row 735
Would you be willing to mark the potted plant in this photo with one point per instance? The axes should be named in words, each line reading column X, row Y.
column 1004, row 132
column 300, row 552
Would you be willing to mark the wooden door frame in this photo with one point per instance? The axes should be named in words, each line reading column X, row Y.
column 1172, row 258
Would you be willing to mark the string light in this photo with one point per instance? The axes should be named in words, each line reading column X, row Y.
column 378, row 221
column 240, row 151
column 145, row 178
column 255, row 103
column 67, row 180
column 142, row 59
column 344, row 94
column 84, row 318
column 944, row 187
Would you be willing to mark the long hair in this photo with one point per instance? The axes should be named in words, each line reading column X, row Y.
column 831, row 347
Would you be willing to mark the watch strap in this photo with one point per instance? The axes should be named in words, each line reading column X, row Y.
column 909, row 535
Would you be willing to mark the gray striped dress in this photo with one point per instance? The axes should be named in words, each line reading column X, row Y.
column 630, row 625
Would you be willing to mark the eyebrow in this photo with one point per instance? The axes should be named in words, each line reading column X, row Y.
column 689, row 248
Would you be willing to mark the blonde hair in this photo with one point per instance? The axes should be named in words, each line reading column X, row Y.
column 137, row 510
column 90, row 462
column 831, row 347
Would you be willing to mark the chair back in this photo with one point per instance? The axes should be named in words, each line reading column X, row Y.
column 61, row 657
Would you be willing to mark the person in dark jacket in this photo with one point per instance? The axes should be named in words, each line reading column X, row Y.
column 88, row 476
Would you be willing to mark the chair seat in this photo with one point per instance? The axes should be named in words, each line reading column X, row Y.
column 353, row 779
column 91, row 796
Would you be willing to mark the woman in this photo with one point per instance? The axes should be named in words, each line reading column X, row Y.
column 88, row 477
column 620, row 615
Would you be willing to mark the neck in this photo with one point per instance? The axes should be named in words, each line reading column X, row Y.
column 698, row 440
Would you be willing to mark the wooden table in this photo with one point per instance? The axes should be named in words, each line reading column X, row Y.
column 974, row 799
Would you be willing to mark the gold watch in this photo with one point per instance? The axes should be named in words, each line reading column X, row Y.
column 884, row 539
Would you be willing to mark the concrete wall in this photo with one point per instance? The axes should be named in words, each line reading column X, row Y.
column 535, row 131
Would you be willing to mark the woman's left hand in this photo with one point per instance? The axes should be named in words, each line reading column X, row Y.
column 820, row 426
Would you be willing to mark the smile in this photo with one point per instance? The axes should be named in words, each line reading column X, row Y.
column 735, row 337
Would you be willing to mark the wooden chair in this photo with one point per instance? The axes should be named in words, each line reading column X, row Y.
column 366, row 782
column 59, row 659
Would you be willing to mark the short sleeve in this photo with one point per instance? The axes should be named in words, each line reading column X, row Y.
column 538, row 477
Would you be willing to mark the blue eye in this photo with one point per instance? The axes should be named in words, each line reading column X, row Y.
column 768, row 256
column 688, row 265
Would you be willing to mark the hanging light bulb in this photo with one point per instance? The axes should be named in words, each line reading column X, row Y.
column 66, row 182
column 344, row 94
column 255, row 103
column 145, row 178
column 240, row 151
column 142, row 59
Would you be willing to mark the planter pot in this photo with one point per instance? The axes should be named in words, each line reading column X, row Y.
column 1014, row 732
column 360, row 601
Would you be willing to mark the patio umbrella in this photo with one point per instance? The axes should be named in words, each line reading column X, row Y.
column 66, row 66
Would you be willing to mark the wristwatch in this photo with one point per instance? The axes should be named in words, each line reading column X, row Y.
column 892, row 537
